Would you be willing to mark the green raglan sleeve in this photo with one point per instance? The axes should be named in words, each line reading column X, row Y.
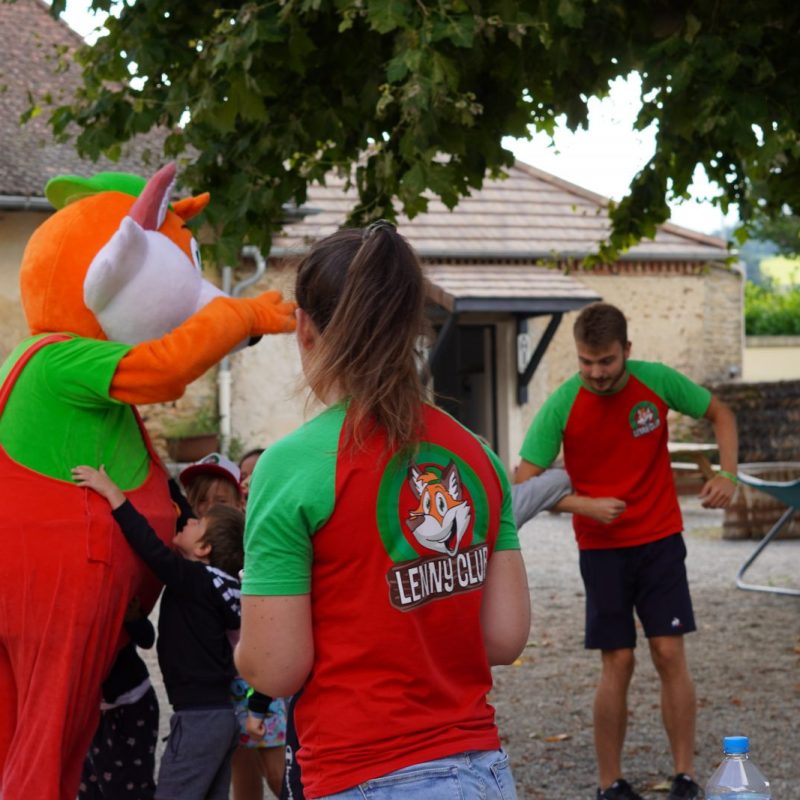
column 81, row 370
column 673, row 387
column 507, row 538
column 543, row 441
column 76, row 369
column 292, row 495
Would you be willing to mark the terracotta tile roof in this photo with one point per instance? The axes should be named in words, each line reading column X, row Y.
column 527, row 216
column 29, row 42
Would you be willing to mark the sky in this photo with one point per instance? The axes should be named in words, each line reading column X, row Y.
column 604, row 158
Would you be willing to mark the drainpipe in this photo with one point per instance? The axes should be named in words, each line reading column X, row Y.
column 224, row 374
column 21, row 202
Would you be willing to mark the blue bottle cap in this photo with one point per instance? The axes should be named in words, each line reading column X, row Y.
column 736, row 744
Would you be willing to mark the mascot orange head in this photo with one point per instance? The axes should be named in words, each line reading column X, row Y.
column 115, row 261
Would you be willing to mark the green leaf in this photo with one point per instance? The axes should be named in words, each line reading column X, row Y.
column 387, row 15
column 693, row 26
column 113, row 152
column 248, row 103
column 458, row 30
column 397, row 68
column 571, row 13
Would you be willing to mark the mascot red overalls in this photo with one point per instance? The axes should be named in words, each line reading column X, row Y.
column 120, row 314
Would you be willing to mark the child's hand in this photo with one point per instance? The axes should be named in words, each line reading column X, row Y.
column 255, row 727
column 98, row 481
column 134, row 610
column 603, row 509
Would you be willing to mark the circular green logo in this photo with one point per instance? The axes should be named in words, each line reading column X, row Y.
column 432, row 502
column 644, row 418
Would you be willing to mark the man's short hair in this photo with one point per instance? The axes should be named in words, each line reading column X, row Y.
column 600, row 325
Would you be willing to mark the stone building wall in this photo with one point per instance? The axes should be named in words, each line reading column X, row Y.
column 268, row 398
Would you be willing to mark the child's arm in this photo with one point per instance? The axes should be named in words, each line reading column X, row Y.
column 182, row 507
column 98, row 481
column 139, row 628
column 257, row 710
column 258, row 704
column 142, row 632
column 169, row 567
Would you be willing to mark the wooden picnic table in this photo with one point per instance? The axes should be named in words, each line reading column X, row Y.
column 696, row 452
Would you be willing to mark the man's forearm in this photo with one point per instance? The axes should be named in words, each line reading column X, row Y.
column 724, row 424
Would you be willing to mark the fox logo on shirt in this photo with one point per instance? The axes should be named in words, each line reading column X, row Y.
column 442, row 516
column 644, row 419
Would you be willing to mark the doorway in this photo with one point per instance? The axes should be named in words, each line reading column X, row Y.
column 465, row 378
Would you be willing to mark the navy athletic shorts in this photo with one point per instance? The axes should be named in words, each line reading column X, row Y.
column 648, row 578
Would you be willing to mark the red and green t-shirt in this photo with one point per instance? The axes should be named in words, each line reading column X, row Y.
column 615, row 445
column 394, row 550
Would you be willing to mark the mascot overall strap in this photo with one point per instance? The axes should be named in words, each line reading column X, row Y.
column 56, row 649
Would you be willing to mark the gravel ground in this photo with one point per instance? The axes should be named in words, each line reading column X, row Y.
column 745, row 658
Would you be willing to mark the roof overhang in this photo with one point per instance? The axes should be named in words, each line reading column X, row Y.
column 518, row 289
column 636, row 253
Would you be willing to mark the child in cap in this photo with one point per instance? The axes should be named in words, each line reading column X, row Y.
column 213, row 480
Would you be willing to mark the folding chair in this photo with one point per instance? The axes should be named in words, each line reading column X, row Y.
column 787, row 492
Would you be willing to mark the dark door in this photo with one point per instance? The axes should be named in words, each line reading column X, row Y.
column 465, row 378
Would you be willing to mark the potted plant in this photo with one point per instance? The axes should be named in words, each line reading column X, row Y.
column 190, row 438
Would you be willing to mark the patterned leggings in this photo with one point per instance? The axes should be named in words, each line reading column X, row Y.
column 121, row 761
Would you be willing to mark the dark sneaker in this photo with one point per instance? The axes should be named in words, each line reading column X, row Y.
column 684, row 788
column 619, row 790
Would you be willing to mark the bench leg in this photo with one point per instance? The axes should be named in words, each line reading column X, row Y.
column 772, row 533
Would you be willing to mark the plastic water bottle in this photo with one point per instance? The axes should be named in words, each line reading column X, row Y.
column 737, row 777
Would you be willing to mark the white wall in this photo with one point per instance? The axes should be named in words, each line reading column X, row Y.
column 771, row 358
column 16, row 228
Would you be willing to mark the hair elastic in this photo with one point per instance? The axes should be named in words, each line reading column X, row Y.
column 374, row 227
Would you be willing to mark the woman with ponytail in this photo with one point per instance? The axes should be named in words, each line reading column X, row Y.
column 382, row 566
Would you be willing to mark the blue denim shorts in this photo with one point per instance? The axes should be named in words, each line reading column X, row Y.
column 476, row 775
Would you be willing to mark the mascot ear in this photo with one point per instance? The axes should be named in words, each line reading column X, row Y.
column 188, row 207
column 115, row 265
column 150, row 208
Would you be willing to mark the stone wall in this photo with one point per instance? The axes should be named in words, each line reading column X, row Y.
column 768, row 417
column 268, row 396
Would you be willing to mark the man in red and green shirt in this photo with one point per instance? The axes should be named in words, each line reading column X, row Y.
column 611, row 419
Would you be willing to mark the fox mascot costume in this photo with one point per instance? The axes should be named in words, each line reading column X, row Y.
column 119, row 315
